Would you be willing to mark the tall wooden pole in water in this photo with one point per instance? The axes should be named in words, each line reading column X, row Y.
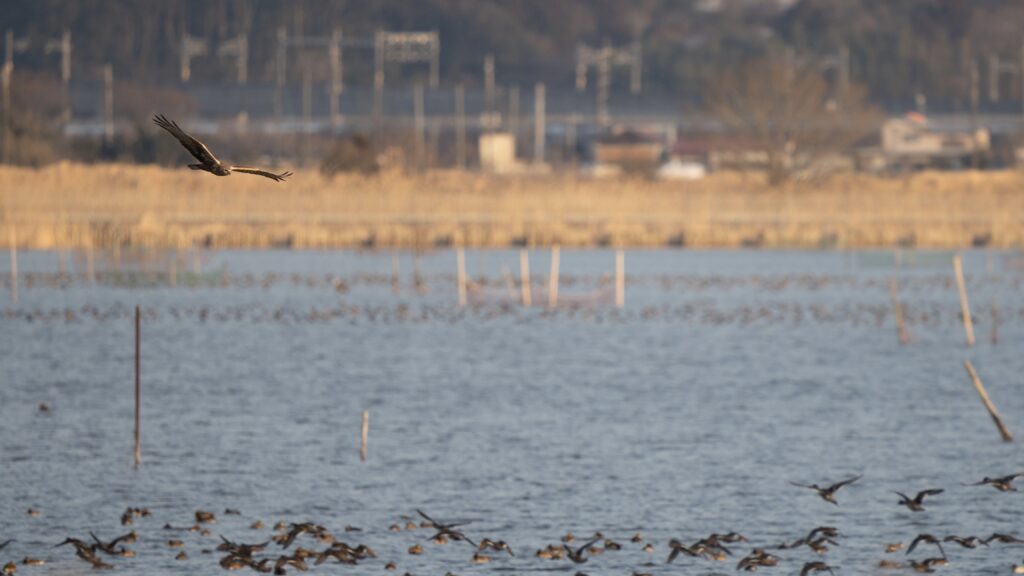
column 138, row 386
column 620, row 278
column 965, row 308
column 14, row 266
column 524, row 277
column 980, row 388
column 897, row 308
column 553, row 277
column 460, row 265
column 365, row 435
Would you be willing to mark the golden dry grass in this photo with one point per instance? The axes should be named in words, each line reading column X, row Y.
column 69, row 205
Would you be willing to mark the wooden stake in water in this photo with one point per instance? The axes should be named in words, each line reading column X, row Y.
column 366, row 433
column 510, row 282
column 524, row 277
column 897, row 308
column 553, row 277
column 995, row 321
column 90, row 269
column 417, row 275
column 620, row 278
column 138, row 387
column 965, row 308
column 980, row 388
column 14, row 266
column 460, row 265
column 394, row 272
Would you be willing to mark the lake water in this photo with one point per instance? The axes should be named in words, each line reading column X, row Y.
column 725, row 376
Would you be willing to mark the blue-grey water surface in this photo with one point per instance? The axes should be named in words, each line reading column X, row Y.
column 725, row 376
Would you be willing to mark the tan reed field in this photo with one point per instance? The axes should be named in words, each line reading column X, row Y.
column 76, row 206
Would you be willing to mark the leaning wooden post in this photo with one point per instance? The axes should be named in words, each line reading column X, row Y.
column 965, row 308
column 14, row 266
column 460, row 273
column 980, row 388
column 366, row 433
column 553, row 277
column 524, row 277
column 620, row 279
column 897, row 308
column 138, row 386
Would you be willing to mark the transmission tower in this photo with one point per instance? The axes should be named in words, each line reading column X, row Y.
column 603, row 60
column 333, row 44
column 403, row 48
column 63, row 45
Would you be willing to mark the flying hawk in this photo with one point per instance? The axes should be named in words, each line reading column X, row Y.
column 207, row 161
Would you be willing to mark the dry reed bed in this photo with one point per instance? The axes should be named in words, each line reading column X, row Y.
column 75, row 206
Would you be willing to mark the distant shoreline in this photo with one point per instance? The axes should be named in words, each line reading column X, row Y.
column 76, row 206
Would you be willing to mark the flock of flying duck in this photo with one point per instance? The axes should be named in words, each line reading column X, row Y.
column 263, row 558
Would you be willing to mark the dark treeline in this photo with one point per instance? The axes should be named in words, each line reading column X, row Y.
column 897, row 49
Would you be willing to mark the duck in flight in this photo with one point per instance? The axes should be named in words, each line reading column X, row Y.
column 1003, row 484
column 207, row 161
column 577, row 555
column 916, row 503
column 828, row 493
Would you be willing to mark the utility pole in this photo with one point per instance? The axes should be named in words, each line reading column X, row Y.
column 108, row 103
column 975, row 97
column 539, row 123
column 489, row 92
column 307, row 111
column 5, row 87
column 419, row 126
column 337, row 79
column 281, row 69
column 604, row 84
column 513, row 110
column 460, row 127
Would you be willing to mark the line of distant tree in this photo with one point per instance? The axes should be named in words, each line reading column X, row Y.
column 900, row 51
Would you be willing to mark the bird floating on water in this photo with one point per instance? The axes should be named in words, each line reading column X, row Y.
column 207, row 161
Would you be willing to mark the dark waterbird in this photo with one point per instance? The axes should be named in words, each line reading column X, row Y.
column 577, row 555
column 928, row 539
column 448, row 530
column 1003, row 483
column 828, row 493
column 916, row 503
column 207, row 161
column 816, row 567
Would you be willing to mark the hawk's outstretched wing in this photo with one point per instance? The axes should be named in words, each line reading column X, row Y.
column 247, row 170
column 194, row 147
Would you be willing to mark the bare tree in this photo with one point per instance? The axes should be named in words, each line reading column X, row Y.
column 790, row 114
